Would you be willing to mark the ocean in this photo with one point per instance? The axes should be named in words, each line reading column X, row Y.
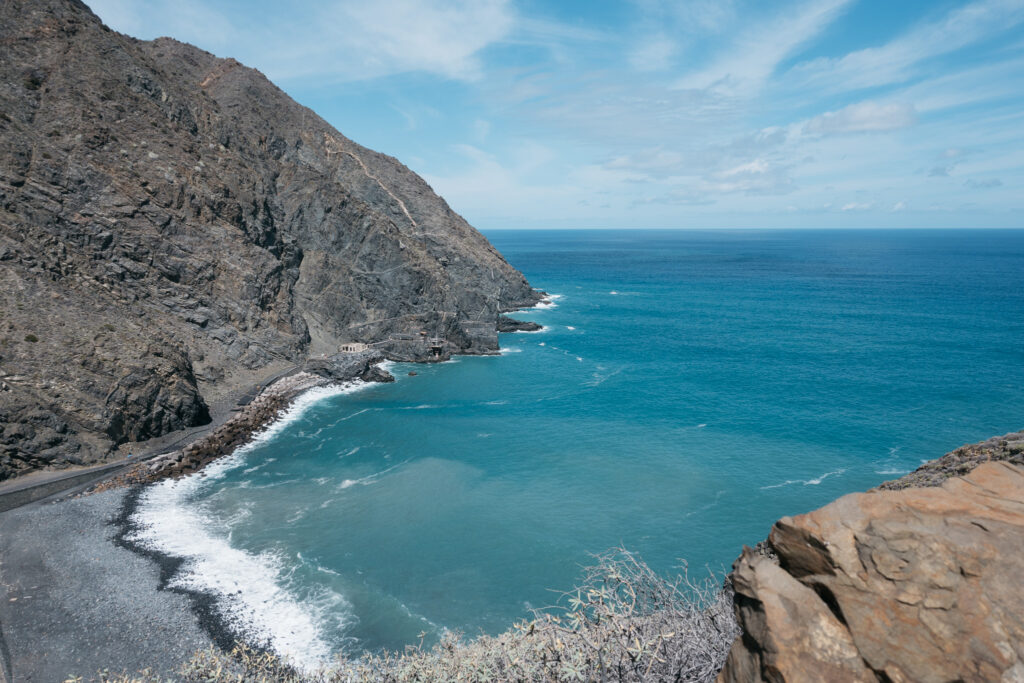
column 688, row 389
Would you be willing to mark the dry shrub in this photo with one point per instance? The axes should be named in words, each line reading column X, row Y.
column 623, row 622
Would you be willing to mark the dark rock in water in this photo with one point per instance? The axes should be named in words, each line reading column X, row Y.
column 412, row 373
column 173, row 227
column 342, row 367
column 376, row 374
column 507, row 324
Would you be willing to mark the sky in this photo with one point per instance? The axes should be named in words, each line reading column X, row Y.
column 655, row 113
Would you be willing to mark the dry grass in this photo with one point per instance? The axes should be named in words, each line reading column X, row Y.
column 623, row 622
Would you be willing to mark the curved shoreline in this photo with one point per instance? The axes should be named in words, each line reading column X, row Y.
column 203, row 605
column 239, row 594
column 253, row 417
column 107, row 522
column 276, row 396
column 262, row 412
column 206, row 606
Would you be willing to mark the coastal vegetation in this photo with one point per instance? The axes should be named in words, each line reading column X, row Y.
column 622, row 622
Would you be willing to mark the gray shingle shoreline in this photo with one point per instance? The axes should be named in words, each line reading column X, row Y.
column 76, row 598
column 77, row 595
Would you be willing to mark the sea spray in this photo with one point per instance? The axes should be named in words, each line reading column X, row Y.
column 250, row 589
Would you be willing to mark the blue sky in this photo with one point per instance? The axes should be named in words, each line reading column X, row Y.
column 651, row 113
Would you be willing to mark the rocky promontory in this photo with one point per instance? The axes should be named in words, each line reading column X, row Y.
column 919, row 580
column 174, row 228
column 507, row 324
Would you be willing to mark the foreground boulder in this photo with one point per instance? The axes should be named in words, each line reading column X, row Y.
column 921, row 584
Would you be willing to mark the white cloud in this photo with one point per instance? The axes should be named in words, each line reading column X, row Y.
column 856, row 206
column 488, row 189
column 984, row 184
column 614, row 107
column 755, row 54
column 705, row 15
column 481, row 129
column 410, row 121
column 653, row 53
column 863, row 117
column 530, row 31
column 187, row 20
column 758, row 177
column 894, row 62
column 336, row 41
column 988, row 82
column 654, row 161
column 395, row 36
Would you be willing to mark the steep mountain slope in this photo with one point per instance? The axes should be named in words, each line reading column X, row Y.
column 173, row 225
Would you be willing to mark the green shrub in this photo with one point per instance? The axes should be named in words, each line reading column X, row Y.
column 31, row 338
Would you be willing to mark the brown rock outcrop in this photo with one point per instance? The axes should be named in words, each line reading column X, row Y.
column 922, row 584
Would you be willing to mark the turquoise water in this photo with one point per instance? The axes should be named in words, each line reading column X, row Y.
column 689, row 388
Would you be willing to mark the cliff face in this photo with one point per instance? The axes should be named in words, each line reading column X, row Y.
column 172, row 224
column 911, row 584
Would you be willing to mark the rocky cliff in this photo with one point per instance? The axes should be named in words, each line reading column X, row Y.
column 919, row 580
column 172, row 225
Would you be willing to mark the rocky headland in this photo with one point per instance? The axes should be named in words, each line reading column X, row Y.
column 174, row 229
column 917, row 580
column 1006, row 448
column 507, row 324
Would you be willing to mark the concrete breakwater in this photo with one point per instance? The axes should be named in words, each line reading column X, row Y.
column 263, row 409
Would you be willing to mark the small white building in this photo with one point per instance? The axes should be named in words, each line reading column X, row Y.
column 352, row 347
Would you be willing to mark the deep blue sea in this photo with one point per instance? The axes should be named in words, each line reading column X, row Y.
column 689, row 388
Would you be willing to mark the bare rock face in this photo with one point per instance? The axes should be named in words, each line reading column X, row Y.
column 156, row 395
column 172, row 224
column 921, row 584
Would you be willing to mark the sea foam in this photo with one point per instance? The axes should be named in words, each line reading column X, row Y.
column 806, row 482
column 550, row 301
column 249, row 588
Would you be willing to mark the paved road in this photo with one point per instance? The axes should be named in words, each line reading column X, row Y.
column 39, row 485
